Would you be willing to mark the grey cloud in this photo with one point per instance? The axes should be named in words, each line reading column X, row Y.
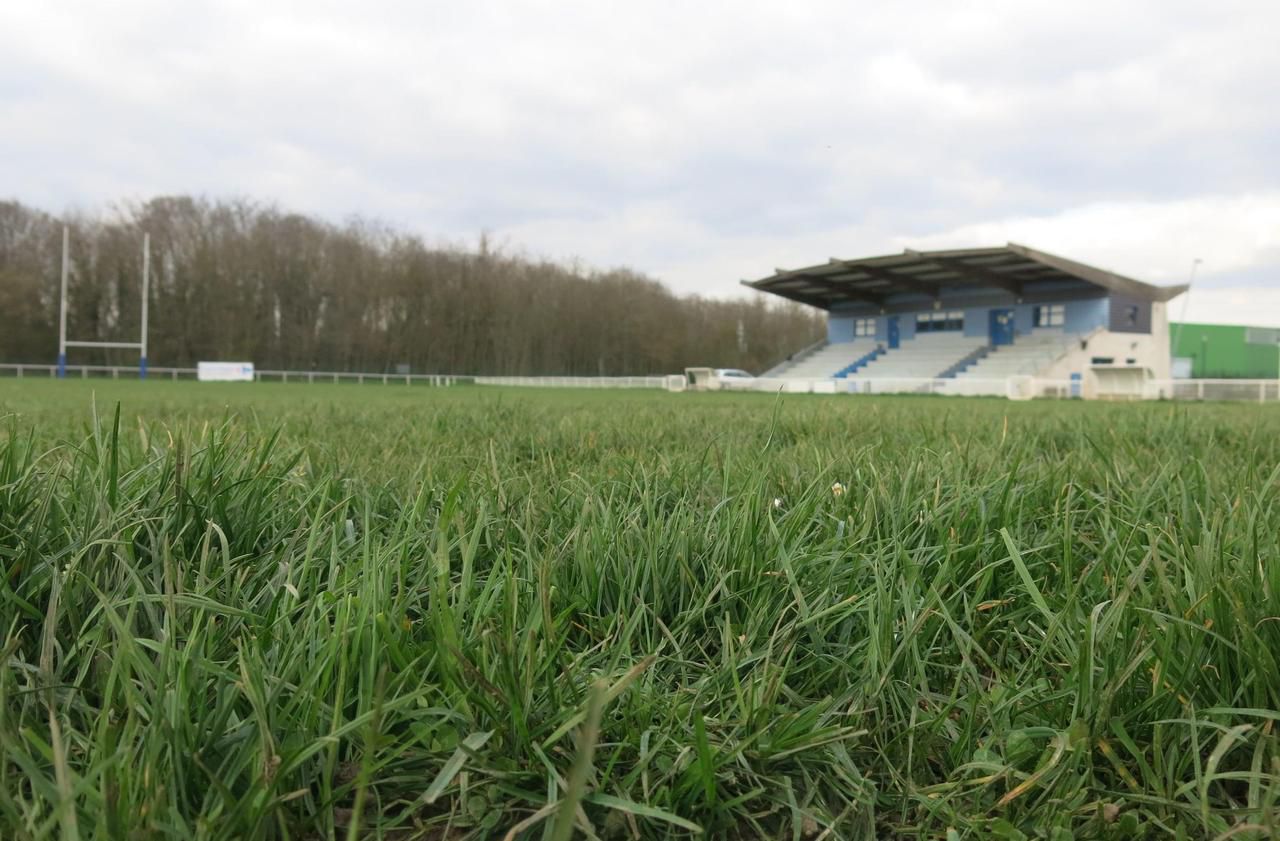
column 678, row 138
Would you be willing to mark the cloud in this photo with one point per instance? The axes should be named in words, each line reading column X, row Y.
column 1248, row 305
column 1152, row 240
column 1231, row 242
column 700, row 143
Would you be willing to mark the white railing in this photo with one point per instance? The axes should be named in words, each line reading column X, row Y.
column 575, row 382
column 797, row 357
column 359, row 378
column 115, row 372
column 127, row 372
column 1256, row 391
column 1017, row 387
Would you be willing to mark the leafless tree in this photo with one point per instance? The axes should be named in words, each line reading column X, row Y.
column 235, row 279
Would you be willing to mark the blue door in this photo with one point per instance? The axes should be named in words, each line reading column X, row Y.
column 1002, row 327
column 893, row 332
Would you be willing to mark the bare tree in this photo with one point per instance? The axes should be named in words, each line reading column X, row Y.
column 235, row 279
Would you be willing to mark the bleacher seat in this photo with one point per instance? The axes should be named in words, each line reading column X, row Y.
column 927, row 355
column 827, row 360
column 933, row 355
column 1029, row 354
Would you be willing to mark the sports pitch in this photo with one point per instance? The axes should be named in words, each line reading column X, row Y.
column 306, row 612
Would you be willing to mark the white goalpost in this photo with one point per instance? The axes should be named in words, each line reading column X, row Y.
column 64, row 342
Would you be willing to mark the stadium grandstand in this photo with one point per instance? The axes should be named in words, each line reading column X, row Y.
column 975, row 317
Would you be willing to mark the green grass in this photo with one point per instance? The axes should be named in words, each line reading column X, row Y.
column 339, row 612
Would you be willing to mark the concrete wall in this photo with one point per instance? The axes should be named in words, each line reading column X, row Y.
column 976, row 321
column 1145, row 350
column 1160, row 337
column 1034, row 292
column 1081, row 316
column 1023, row 319
column 1131, row 315
column 839, row 328
column 906, row 326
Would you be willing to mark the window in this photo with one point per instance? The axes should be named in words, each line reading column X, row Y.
column 1131, row 316
column 933, row 322
column 1103, row 360
column 864, row 327
column 1049, row 315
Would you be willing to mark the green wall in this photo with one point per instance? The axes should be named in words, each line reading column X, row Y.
column 1220, row 351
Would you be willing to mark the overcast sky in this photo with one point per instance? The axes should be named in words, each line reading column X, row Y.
column 701, row 143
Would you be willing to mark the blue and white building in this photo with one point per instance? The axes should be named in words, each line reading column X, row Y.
column 979, row 316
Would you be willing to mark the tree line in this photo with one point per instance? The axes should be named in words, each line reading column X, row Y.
column 244, row 281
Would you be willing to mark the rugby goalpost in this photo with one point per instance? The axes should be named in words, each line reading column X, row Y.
column 64, row 342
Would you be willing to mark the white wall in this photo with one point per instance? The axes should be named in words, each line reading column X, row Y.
column 1147, row 350
column 839, row 328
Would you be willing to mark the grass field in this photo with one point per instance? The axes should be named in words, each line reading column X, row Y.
column 339, row 612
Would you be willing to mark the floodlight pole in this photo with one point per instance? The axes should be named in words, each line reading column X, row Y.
column 62, row 307
column 146, row 278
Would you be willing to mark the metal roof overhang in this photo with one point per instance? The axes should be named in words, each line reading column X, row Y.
column 1013, row 269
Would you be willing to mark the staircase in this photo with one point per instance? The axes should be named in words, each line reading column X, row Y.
column 926, row 356
column 852, row 368
column 795, row 358
column 1028, row 355
column 968, row 361
column 826, row 361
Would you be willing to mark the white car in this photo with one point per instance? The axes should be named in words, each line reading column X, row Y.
column 733, row 374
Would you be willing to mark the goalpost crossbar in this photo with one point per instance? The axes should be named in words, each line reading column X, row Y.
column 64, row 342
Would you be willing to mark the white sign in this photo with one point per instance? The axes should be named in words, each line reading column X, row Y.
column 233, row 372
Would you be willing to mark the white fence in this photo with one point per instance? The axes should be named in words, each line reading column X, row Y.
column 115, row 372
column 575, row 382
column 128, row 372
column 345, row 377
column 1258, row 391
column 1016, row 388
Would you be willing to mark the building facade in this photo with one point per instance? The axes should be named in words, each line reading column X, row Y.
column 981, row 315
column 1225, row 351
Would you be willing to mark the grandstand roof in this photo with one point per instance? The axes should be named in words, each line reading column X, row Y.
column 1011, row 268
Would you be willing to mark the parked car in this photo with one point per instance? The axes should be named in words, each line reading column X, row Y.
column 733, row 374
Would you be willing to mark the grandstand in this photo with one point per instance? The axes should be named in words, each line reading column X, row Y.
column 973, row 318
